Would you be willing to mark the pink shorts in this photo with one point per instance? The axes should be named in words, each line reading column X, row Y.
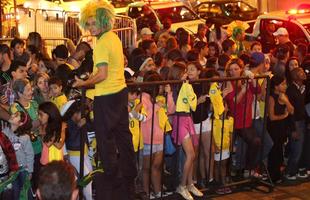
column 182, row 128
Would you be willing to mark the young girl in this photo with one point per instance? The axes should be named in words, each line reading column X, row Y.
column 203, row 50
column 153, row 121
column 41, row 89
column 18, row 133
column 222, row 140
column 52, row 131
column 201, row 121
column 278, row 124
column 184, row 130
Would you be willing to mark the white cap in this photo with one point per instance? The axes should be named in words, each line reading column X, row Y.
column 146, row 31
column 145, row 62
column 66, row 107
column 280, row 31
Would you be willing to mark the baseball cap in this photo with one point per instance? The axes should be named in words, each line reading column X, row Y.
column 146, row 31
column 258, row 57
column 280, row 31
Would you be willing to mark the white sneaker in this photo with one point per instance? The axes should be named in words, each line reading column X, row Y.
column 182, row 190
column 191, row 188
column 290, row 178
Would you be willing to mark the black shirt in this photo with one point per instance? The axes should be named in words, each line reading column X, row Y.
column 202, row 109
column 297, row 99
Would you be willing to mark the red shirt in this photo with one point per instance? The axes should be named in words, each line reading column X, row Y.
column 243, row 112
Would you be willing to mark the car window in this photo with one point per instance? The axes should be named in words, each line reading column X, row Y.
column 211, row 8
column 234, row 8
column 295, row 32
column 176, row 14
column 244, row 7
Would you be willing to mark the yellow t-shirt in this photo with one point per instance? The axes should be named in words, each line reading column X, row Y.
column 59, row 101
column 187, row 99
column 217, row 132
column 54, row 153
column 109, row 52
column 216, row 100
column 137, row 137
column 163, row 119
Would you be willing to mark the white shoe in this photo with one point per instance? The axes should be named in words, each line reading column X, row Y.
column 182, row 190
column 191, row 188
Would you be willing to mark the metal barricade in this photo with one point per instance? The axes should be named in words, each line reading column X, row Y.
column 248, row 143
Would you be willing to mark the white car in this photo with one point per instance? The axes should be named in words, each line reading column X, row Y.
column 297, row 23
column 179, row 13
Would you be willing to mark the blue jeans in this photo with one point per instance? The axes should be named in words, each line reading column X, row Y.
column 295, row 148
column 267, row 142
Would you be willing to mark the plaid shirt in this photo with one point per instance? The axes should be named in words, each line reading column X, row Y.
column 9, row 152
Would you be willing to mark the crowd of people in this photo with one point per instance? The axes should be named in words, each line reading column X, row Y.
column 222, row 122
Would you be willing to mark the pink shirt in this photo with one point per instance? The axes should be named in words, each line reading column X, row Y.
column 146, row 126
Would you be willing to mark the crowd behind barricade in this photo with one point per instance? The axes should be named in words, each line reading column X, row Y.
column 203, row 127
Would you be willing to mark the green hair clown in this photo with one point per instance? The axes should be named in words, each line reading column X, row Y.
column 102, row 11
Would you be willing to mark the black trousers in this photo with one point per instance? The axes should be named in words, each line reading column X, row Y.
column 114, row 145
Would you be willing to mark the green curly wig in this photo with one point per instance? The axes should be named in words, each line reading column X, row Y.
column 102, row 11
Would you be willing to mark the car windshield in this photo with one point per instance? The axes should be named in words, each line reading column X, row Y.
column 176, row 14
column 233, row 8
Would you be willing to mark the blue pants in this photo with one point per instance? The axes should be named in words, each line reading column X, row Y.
column 295, row 148
column 267, row 142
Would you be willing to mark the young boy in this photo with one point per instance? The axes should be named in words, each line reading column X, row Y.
column 17, row 46
column 57, row 97
column 137, row 114
column 71, row 113
column 256, row 47
column 18, row 70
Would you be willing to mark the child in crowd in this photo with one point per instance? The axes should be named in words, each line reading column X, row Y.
column 222, row 140
column 52, row 131
column 72, row 115
column 17, row 46
column 184, row 129
column 202, row 122
column 57, row 97
column 18, row 133
column 256, row 47
column 137, row 114
column 153, row 144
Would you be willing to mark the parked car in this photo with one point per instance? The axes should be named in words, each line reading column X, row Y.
column 225, row 11
column 180, row 14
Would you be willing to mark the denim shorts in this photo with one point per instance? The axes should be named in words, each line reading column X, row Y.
column 156, row 148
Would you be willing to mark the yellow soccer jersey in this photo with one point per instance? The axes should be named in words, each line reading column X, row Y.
column 59, row 101
column 217, row 132
column 187, row 99
column 216, row 100
column 162, row 114
column 137, row 137
column 109, row 51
